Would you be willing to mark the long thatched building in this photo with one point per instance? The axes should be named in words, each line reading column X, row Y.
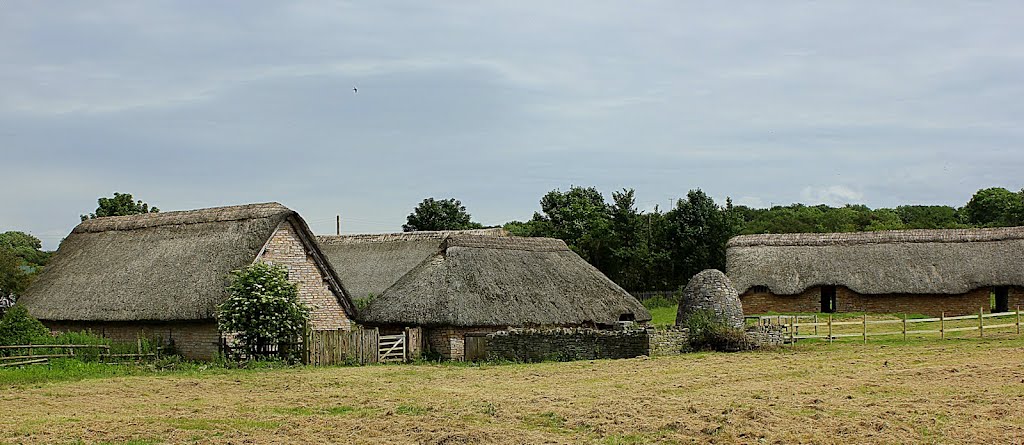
column 907, row 271
column 472, row 284
column 369, row 264
column 163, row 274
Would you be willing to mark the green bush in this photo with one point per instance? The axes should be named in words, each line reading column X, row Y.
column 18, row 327
column 708, row 331
column 263, row 309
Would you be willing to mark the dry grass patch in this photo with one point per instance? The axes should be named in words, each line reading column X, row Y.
column 931, row 392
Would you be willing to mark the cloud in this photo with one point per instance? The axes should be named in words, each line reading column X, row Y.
column 833, row 195
column 193, row 104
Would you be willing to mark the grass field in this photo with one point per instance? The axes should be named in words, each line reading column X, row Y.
column 953, row 391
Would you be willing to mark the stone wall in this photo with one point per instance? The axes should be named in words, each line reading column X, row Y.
column 767, row 335
column 849, row 301
column 450, row 342
column 194, row 340
column 670, row 341
column 533, row 345
column 285, row 248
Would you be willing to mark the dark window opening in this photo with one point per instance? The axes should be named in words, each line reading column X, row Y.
column 627, row 317
column 828, row 299
column 1001, row 299
column 759, row 289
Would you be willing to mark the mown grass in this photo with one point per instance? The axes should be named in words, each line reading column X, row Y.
column 952, row 391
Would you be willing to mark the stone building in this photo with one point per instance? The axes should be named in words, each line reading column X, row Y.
column 456, row 284
column 710, row 290
column 162, row 275
column 956, row 271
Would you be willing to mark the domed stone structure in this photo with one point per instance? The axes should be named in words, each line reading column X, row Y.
column 711, row 290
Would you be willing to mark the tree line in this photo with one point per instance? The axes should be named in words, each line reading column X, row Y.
column 639, row 250
column 661, row 250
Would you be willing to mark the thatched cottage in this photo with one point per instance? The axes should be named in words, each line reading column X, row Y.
column 369, row 264
column 471, row 284
column 904, row 271
column 163, row 274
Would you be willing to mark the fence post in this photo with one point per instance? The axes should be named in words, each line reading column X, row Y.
column 942, row 325
column 981, row 323
column 904, row 326
column 1018, row 319
column 865, row 331
column 829, row 328
column 815, row 325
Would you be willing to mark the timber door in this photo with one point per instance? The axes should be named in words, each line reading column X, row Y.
column 476, row 347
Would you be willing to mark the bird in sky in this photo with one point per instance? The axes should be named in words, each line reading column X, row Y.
column 355, row 90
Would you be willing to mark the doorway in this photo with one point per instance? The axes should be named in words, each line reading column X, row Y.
column 1001, row 299
column 828, row 299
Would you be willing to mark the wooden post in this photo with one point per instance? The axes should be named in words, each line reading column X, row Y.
column 338, row 231
column 829, row 328
column 942, row 325
column 981, row 323
column 139, row 342
column 904, row 327
column 29, row 348
column 865, row 331
column 815, row 325
column 1018, row 320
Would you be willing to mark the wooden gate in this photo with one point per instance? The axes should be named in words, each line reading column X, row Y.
column 476, row 347
column 335, row 347
column 391, row 348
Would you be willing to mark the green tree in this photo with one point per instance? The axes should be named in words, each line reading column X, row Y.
column 929, row 217
column 263, row 309
column 26, row 247
column 629, row 242
column 13, row 279
column 442, row 214
column 18, row 327
column 698, row 232
column 994, row 207
column 121, row 204
column 581, row 218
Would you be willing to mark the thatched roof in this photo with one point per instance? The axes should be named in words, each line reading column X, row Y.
column 503, row 281
column 899, row 261
column 369, row 264
column 160, row 266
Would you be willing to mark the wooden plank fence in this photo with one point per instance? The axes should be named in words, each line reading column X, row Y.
column 830, row 330
column 361, row 346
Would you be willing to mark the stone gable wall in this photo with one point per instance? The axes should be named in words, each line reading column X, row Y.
column 285, row 248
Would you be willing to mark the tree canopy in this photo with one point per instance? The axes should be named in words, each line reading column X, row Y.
column 21, row 258
column 121, row 204
column 439, row 214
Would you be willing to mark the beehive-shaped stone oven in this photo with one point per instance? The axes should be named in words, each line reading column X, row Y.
column 711, row 290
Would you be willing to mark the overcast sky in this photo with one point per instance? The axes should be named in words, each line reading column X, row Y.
column 198, row 104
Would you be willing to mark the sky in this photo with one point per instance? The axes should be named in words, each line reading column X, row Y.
column 192, row 104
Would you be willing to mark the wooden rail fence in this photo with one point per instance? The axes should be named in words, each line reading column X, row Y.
column 102, row 352
column 830, row 329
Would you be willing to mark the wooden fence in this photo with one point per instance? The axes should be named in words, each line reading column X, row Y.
column 361, row 346
column 101, row 352
column 830, row 330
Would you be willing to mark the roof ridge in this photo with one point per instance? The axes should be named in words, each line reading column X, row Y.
column 879, row 237
column 183, row 217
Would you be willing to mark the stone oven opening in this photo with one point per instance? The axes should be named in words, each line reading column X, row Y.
column 828, row 299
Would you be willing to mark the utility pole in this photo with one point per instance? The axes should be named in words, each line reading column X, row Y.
column 339, row 225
